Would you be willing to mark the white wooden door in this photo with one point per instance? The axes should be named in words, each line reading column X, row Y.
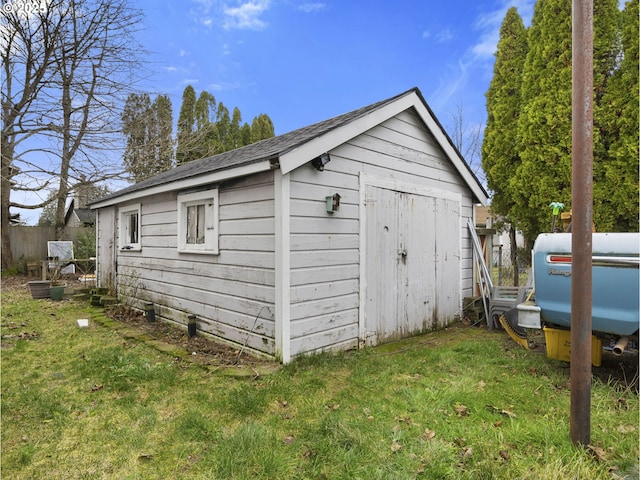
column 412, row 269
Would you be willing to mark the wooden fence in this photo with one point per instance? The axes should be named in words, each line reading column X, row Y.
column 30, row 243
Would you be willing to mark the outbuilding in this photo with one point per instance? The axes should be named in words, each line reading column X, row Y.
column 342, row 234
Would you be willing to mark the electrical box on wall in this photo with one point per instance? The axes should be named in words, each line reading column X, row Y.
column 333, row 202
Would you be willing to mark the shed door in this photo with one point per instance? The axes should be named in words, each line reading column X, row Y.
column 413, row 265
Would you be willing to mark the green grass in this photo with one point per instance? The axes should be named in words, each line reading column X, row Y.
column 455, row 404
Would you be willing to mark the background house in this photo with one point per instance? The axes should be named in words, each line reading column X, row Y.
column 345, row 233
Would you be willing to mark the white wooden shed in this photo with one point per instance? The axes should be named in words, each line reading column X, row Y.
column 346, row 233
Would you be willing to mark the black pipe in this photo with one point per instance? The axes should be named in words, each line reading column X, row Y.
column 191, row 326
column 149, row 312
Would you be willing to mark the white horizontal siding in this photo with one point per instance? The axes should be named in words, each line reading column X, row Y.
column 325, row 284
column 232, row 293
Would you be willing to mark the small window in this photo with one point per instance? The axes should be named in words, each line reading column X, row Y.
column 198, row 222
column 130, row 228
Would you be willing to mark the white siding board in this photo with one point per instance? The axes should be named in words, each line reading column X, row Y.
column 322, row 258
column 303, row 276
column 318, row 208
column 331, row 241
column 323, row 306
column 247, row 226
column 327, row 226
column 256, row 243
column 162, row 281
column 235, row 194
column 312, row 192
column 247, row 210
column 312, row 325
column 237, row 273
column 302, row 293
column 343, row 338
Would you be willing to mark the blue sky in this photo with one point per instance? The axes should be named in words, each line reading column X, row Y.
column 304, row 61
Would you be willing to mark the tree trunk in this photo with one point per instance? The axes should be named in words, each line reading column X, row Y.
column 5, row 190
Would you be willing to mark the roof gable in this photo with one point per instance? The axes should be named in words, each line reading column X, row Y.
column 290, row 150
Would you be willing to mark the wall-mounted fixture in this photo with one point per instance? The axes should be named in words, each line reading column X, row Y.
column 333, row 202
column 319, row 162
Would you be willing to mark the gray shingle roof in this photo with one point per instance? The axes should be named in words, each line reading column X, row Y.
column 262, row 150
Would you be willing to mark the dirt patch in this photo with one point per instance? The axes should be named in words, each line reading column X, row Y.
column 202, row 350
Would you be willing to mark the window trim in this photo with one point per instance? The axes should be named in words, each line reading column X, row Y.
column 124, row 234
column 211, row 241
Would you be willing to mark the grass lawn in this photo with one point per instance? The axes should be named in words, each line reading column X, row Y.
column 462, row 403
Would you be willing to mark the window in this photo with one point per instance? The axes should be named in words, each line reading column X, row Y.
column 130, row 228
column 198, row 222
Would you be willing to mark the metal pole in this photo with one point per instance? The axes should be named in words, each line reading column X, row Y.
column 582, row 202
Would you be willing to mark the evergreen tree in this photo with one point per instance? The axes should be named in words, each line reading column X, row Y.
column 500, row 157
column 186, row 126
column 161, row 134
column 245, row 134
column 616, row 173
column 204, row 139
column 206, row 128
column 223, row 127
column 234, row 129
column 148, row 129
column 261, row 128
column 544, row 125
column 135, row 127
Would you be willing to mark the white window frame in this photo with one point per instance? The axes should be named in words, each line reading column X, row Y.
column 126, row 242
column 209, row 199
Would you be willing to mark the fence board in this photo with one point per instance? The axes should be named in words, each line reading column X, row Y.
column 30, row 242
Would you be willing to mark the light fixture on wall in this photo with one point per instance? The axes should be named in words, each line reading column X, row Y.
column 319, row 162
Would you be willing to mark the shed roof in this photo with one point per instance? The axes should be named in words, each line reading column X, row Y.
column 271, row 151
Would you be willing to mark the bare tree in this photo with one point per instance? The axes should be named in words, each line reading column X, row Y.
column 468, row 140
column 67, row 69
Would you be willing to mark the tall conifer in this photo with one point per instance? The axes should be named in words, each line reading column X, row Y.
column 186, row 126
column 616, row 173
column 544, row 125
column 500, row 157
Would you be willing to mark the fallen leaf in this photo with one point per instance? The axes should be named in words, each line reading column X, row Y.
column 95, row 388
column 145, row 456
column 501, row 411
column 599, row 453
column 289, row 439
column 481, row 386
column 504, row 454
column 497, row 424
column 333, row 406
column 467, row 452
column 395, row 446
column 428, row 434
column 626, row 429
column 461, row 410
